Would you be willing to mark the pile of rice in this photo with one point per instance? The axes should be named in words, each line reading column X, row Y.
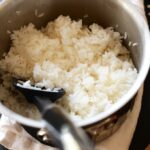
column 89, row 62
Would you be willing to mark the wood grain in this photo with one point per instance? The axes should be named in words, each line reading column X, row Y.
column 148, row 147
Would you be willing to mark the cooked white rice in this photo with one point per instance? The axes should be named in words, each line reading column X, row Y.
column 89, row 62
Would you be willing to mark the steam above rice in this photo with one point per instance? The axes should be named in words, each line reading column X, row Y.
column 89, row 62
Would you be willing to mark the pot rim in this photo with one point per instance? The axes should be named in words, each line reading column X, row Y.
column 142, row 25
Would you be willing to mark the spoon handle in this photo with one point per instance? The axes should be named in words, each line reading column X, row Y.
column 66, row 135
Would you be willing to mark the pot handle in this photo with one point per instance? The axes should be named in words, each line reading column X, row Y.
column 66, row 135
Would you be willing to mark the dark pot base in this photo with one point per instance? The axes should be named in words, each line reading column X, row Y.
column 97, row 132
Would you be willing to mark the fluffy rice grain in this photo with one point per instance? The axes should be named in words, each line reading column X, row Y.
column 90, row 63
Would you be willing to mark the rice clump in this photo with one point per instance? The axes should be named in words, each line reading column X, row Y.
column 89, row 62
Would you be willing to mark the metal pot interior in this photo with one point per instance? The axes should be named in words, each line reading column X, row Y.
column 14, row 14
column 106, row 13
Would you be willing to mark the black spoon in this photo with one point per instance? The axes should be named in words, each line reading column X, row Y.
column 66, row 135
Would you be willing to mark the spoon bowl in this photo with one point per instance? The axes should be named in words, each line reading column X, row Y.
column 66, row 135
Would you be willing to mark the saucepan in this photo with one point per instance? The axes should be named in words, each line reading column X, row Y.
column 122, row 15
